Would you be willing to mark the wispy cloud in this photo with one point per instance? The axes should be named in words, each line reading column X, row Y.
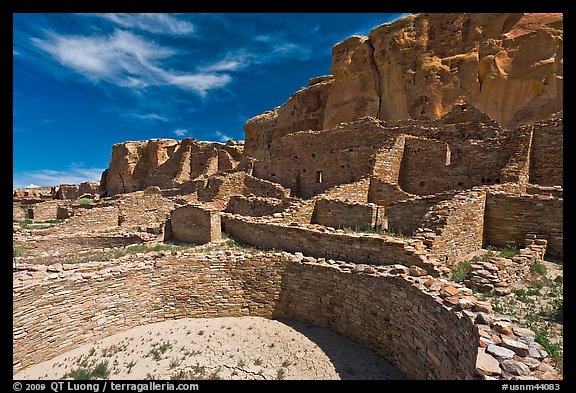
column 180, row 132
column 149, row 116
column 126, row 60
column 153, row 23
column 15, row 52
column 223, row 137
column 49, row 177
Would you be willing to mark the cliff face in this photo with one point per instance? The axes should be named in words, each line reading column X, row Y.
column 509, row 66
column 165, row 163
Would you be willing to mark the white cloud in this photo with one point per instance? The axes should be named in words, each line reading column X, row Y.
column 126, row 60
column 15, row 52
column 49, row 177
column 200, row 83
column 223, row 137
column 150, row 116
column 180, row 132
column 153, row 23
column 31, row 185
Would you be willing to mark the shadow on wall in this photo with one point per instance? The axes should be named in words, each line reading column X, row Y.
column 346, row 367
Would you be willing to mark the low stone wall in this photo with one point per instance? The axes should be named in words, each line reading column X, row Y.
column 338, row 214
column 510, row 217
column 254, row 206
column 42, row 211
column 63, row 307
column 324, row 243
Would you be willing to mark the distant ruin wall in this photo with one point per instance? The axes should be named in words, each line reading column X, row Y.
column 389, row 315
column 509, row 217
column 338, row 214
column 547, row 154
column 195, row 224
column 430, row 166
column 73, row 191
column 405, row 216
column 384, row 194
column 254, row 206
column 361, row 248
column 310, row 162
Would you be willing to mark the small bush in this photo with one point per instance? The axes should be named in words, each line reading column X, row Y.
column 80, row 374
column 85, row 201
column 17, row 250
column 553, row 349
column 459, row 272
column 538, row 267
column 101, row 370
column 280, row 374
column 508, row 252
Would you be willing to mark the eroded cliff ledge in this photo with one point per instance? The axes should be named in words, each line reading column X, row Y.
column 508, row 65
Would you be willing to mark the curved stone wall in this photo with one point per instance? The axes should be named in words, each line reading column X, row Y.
column 66, row 306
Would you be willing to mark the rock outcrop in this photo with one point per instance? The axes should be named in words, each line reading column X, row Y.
column 165, row 163
column 508, row 65
column 73, row 191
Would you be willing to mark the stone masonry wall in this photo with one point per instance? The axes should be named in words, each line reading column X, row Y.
column 195, row 224
column 47, row 210
column 384, row 315
column 322, row 242
column 338, row 214
column 68, row 306
column 68, row 310
column 510, row 217
column 254, row 206
column 454, row 227
column 384, row 194
column 406, row 216
column 430, row 166
column 310, row 162
column 546, row 156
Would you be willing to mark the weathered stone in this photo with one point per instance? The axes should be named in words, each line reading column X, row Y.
column 522, row 332
column 483, row 319
column 518, row 347
column 416, row 271
column 515, row 367
column 449, row 290
column 500, row 352
column 486, row 364
column 503, row 327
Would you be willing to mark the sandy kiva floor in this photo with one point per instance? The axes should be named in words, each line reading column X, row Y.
column 218, row 348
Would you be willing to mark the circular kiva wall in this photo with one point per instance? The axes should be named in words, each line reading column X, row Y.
column 63, row 309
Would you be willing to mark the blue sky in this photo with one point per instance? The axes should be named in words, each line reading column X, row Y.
column 83, row 82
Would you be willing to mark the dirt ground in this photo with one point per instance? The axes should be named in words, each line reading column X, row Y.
column 218, row 348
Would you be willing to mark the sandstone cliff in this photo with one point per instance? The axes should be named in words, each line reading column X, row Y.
column 165, row 163
column 509, row 66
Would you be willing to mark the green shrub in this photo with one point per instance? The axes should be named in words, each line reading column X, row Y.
column 459, row 272
column 554, row 349
column 80, row 374
column 538, row 267
column 17, row 250
column 85, row 201
column 101, row 370
column 508, row 252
